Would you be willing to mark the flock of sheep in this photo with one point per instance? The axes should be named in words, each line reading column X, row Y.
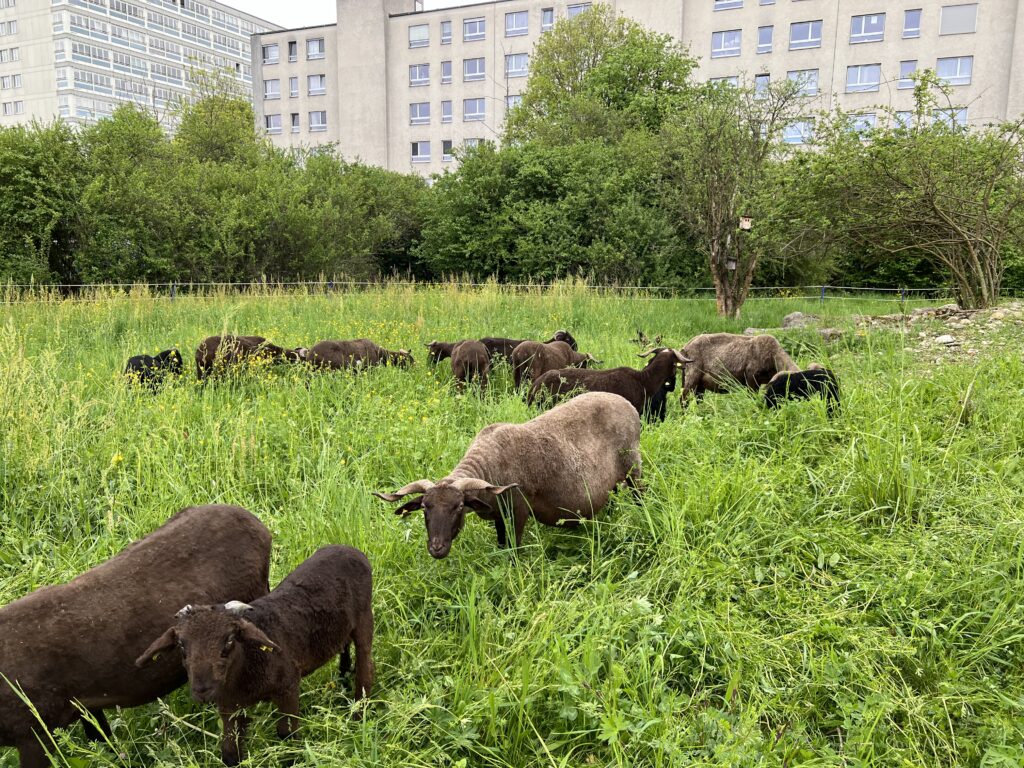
column 238, row 643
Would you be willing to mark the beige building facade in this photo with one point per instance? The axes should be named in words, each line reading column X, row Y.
column 79, row 59
column 402, row 87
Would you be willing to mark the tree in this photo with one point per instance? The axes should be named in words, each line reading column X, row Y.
column 598, row 75
column 716, row 153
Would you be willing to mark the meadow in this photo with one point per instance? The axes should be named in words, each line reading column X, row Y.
column 788, row 591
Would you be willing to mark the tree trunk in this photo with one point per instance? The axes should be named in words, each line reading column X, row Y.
column 732, row 286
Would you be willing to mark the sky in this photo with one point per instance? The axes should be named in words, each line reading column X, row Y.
column 308, row 13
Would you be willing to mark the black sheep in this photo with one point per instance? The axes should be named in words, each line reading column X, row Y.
column 802, row 385
column 152, row 370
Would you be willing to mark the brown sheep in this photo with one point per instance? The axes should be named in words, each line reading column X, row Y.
column 77, row 642
column 439, row 350
column 644, row 389
column 357, row 354
column 216, row 353
column 557, row 468
column 721, row 360
column 497, row 346
column 532, row 358
column 470, row 360
column 240, row 654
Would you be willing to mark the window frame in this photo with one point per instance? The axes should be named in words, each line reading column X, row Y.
column 517, row 31
column 861, row 86
column 722, row 52
column 474, row 117
column 479, row 24
column 808, row 43
column 858, row 38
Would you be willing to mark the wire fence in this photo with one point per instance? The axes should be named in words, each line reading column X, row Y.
column 11, row 293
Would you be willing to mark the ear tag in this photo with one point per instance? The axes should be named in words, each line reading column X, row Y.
column 266, row 649
column 156, row 656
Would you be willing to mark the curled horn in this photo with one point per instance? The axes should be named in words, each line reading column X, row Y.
column 420, row 486
column 681, row 357
column 649, row 352
column 466, row 484
column 593, row 359
column 236, row 607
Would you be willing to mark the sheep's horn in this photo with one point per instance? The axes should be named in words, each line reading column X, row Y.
column 236, row 607
column 186, row 611
column 465, row 484
column 403, row 351
column 420, row 486
column 681, row 357
column 649, row 352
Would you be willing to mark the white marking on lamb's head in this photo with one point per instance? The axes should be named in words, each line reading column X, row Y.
column 815, row 367
column 303, row 353
column 186, row 611
column 236, row 607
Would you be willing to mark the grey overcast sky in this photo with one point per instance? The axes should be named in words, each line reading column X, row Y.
column 309, row 13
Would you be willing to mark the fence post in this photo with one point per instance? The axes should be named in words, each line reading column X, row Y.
column 903, row 299
column 822, row 300
column 174, row 290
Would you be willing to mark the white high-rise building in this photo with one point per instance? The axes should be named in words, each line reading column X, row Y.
column 79, row 59
column 400, row 87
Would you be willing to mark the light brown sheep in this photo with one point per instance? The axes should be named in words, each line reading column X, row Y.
column 532, row 358
column 721, row 360
column 558, row 468
column 470, row 360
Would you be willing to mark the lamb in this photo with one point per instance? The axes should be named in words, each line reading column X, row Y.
column 497, row 346
column 559, row 468
column 802, row 385
column 357, row 354
column 239, row 654
column 152, row 370
column 532, row 358
column 215, row 353
column 439, row 350
column 470, row 360
column 722, row 359
column 76, row 642
column 644, row 389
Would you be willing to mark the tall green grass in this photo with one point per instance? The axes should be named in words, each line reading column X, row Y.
column 789, row 591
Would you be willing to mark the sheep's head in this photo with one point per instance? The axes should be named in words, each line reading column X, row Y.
column 297, row 355
column 172, row 359
column 402, row 358
column 444, row 506
column 213, row 640
column 438, row 351
column 563, row 335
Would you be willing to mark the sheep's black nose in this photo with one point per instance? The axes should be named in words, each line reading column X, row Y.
column 202, row 692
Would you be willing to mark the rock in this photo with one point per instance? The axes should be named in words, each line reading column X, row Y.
column 999, row 314
column 945, row 339
column 828, row 335
column 972, row 351
column 798, row 320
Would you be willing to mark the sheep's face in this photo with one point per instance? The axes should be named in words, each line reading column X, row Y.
column 402, row 358
column 172, row 360
column 438, row 351
column 444, row 512
column 566, row 337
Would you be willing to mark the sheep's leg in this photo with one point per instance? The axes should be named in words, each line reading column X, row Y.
column 363, row 637
column 31, row 754
column 232, row 745
column 101, row 730
column 288, row 705
column 499, row 528
column 345, row 659
column 519, row 517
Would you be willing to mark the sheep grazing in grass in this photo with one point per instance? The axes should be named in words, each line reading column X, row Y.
column 356, row 354
column 803, row 385
column 152, row 370
column 470, row 361
column 557, row 468
column 240, row 654
column 644, row 389
column 74, row 644
column 215, row 354
column 439, row 350
column 721, row 360
column 497, row 346
column 532, row 358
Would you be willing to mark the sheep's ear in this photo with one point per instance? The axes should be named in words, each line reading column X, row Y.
column 251, row 634
column 477, row 504
column 162, row 644
column 410, row 506
column 497, row 490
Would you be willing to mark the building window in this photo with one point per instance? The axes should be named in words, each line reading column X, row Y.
column 957, row 116
column 271, row 89
column 732, row 80
column 863, row 77
column 295, row 122
column 446, row 72
column 547, row 19
column 419, row 36
column 907, row 70
column 806, row 80
column 419, row 74
column 446, row 33
column 517, row 65
column 419, row 113
column 959, row 19
column 318, row 121
column 472, row 109
column 863, row 123
column 575, row 10
column 272, row 123
column 725, row 43
column 765, row 35
column 471, row 143
column 446, row 111
column 446, row 151
column 799, row 132
column 955, row 70
column 804, row 34
column 766, row 2
column 912, row 23
column 517, row 23
column 14, row 108
column 421, row 151
column 761, row 83
column 473, row 29
column 867, row 29
column 293, row 50
column 473, row 69
column 8, row 28
column 10, row 82
column 271, row 54
column 317, row 85
column 293, row 87
column 315, row 48
column 724, row 5
column 513, row 100
column 904, row 120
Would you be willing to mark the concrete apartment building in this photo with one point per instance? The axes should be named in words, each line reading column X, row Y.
column 79, row 59
column 400, row 87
